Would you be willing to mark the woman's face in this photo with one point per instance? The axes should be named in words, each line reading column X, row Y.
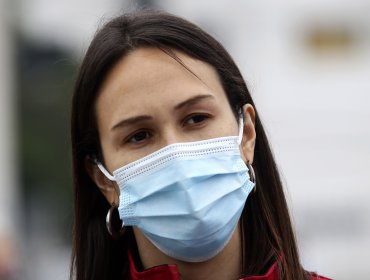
column 148, row 101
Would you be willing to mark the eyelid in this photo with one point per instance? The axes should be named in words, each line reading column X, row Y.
column 202, row 114
column 128, row 138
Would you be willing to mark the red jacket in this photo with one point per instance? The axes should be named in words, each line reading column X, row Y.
column 170, row 272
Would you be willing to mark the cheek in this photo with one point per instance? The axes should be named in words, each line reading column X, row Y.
column 112, row 158
column 231, row 125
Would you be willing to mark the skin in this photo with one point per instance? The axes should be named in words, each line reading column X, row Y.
column 149, row 101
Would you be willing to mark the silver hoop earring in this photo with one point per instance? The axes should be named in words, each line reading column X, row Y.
column 108, row 221
column 252, row 175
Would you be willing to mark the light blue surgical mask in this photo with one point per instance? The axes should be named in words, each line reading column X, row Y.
column 186, row 198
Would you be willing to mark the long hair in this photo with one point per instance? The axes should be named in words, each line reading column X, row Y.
column 267, row 234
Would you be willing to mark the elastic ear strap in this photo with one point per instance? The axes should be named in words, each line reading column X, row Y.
column 104, row 171
column 241, row 126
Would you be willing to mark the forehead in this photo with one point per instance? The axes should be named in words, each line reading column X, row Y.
column 138, row 69
column 148, row 76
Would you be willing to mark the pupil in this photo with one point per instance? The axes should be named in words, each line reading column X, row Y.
column 197, row 119
column 140, row 136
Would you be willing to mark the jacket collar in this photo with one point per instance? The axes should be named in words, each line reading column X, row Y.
column 170, row 272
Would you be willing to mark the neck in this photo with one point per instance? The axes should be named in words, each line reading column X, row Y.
column 225, row 266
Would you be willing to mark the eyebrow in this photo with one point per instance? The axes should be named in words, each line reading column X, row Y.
column 131, row 121
column 193, row 100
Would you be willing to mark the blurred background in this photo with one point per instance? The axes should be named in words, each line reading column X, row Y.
column 307, row 64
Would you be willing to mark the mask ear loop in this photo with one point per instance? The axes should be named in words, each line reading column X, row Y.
column 241, row 126
column 104, row 171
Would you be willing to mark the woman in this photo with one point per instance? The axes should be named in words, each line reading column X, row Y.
column 166, row 140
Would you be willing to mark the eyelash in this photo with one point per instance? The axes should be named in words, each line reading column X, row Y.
column 130, row 139
column 203, row 117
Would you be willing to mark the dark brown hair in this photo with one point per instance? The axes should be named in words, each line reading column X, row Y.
column 266, row 228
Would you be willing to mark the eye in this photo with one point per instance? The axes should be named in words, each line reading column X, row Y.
column 196, row 119
column 139, row 137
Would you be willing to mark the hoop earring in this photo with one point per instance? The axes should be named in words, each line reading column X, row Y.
column 108, row 221
column 252, row 175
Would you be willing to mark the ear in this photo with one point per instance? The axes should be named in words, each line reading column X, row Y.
column 107, row 187
column 249, row 133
